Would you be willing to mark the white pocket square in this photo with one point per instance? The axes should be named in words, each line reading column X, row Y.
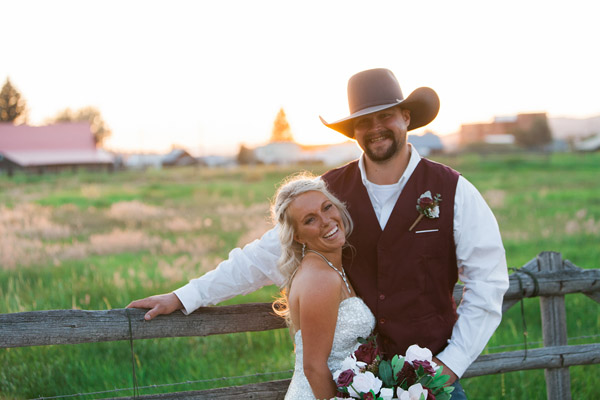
column 427, row 231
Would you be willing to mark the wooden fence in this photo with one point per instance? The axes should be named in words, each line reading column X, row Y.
column 546, row 276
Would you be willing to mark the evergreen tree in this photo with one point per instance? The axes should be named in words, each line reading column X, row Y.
column 281, row 128
column 12, row 105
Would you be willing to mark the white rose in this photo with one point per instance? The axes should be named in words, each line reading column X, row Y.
column 349, row 363
column 426, row 194
column 363, row 382
column 386, row 393
column 413, row 393
column 435, row 213
column 415, row 352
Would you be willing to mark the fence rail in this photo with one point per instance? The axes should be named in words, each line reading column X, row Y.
column 546, row 276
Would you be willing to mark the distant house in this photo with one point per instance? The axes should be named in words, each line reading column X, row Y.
column 175, row 158
column 426, row 144
column 288, row 152
column 589, row 144
column 50, row 148
column 178, row 158
column 499, row 131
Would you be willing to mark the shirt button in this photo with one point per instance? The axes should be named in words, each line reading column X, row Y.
column 382, row 321
column 382, row 297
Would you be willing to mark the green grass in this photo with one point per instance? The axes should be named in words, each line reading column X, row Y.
column 63, row 253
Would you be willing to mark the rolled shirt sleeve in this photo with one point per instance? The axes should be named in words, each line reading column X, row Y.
column 246, row 270
column 482, row 268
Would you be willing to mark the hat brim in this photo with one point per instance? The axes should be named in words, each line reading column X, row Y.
column 423, row 104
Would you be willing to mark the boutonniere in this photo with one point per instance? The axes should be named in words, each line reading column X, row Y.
column 427, row 206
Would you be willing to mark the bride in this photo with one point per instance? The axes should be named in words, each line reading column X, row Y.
column 323, row 312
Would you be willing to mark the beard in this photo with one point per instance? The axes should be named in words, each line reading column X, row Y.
column 382, row 155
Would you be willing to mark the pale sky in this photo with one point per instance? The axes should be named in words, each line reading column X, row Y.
column 209, row 75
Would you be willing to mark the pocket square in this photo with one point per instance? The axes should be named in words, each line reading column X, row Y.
column 427, row 231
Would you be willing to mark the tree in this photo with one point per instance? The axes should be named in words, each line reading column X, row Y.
column 12, row 105
column 87, row 114
column 536, row 137
column 246, row 156
column 281, row 128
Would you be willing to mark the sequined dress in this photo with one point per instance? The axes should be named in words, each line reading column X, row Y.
column 354, row 320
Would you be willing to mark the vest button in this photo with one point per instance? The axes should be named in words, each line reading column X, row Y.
column 382, row 321
column 382, row 297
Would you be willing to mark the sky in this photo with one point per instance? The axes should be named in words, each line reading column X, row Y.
column 211, row 75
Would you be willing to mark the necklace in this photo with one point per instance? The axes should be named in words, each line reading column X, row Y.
column 342, row 272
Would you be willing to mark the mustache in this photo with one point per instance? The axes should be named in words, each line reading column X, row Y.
column 387, row 134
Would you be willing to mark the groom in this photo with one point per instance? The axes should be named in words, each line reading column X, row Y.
column 405, row 262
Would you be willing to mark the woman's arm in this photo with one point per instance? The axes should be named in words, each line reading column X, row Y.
column 318, row 299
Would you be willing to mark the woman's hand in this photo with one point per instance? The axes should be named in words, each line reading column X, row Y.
column 159, row 304
column 446, row 371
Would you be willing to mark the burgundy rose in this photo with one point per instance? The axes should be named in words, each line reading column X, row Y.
column 367, row 352
column 345, row 378
column 430, row 395
column 407, row 375
column 425, row 202
column 426, row 366
column 368, row 396
column 342, row 395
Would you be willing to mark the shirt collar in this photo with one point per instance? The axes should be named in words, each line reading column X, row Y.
column 415, row 158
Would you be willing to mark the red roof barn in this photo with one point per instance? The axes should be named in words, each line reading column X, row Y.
column 50, row 148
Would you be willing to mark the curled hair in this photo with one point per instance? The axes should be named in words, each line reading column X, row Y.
column 291, row 251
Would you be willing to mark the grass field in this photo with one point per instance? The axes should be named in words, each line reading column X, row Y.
column 97, row 241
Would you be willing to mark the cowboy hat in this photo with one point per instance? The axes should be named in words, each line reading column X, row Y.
column 377, row 89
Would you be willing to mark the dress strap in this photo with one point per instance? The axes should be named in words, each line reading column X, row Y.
column 342, row 272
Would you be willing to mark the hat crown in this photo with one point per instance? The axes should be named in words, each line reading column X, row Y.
column 373, row 87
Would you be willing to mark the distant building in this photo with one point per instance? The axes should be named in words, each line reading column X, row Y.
column 499, row 131
column 178, row 158
column 426, row 144
column 55, row 147
column 589, row 144
column 283, row 153
column 175, row 158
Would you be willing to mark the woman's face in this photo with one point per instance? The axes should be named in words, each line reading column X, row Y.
column 317, row 222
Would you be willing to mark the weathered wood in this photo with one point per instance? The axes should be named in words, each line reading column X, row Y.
column 554, row 357
column 554, row 329
column 487, row 364
column 273, row 390
column 80, row 326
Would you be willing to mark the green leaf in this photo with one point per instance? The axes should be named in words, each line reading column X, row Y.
column 397, row 364
column 386, row 373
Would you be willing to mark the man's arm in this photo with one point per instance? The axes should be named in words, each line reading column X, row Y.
column 245, row 271
column 482, row 267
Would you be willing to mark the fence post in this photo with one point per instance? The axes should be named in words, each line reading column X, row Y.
column 554, row 329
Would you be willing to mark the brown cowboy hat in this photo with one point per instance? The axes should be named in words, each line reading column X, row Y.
column 377, row 89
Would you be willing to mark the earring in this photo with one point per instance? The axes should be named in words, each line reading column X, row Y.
column 303, row 249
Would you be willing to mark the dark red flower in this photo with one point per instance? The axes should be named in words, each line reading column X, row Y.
column 425, row 202
column 368, row 396
column 426, row 366
column 430, row 395
column 367, row 352
column 345, row 378
column 407, row 375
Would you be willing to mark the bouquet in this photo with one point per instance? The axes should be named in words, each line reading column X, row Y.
column 364, row 375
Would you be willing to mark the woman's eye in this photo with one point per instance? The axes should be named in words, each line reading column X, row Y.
column 308, row 221
column 328, row 206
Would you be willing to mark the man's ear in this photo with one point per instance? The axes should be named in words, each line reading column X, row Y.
column 406, row 115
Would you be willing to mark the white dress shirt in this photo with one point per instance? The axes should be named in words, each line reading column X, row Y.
column 479, row 253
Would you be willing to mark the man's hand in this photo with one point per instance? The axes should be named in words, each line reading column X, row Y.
column 160, row 304
column 446, row 371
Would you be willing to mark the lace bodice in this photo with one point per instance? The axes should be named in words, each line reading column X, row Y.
column 354, row 320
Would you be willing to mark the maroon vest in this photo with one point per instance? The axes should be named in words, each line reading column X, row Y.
column 406, row 278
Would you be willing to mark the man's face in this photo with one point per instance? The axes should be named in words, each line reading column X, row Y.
column 382, row 134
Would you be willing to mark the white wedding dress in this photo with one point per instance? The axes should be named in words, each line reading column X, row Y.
column 354, row 320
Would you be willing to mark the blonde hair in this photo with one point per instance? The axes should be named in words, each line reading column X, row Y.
column 291, row 251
